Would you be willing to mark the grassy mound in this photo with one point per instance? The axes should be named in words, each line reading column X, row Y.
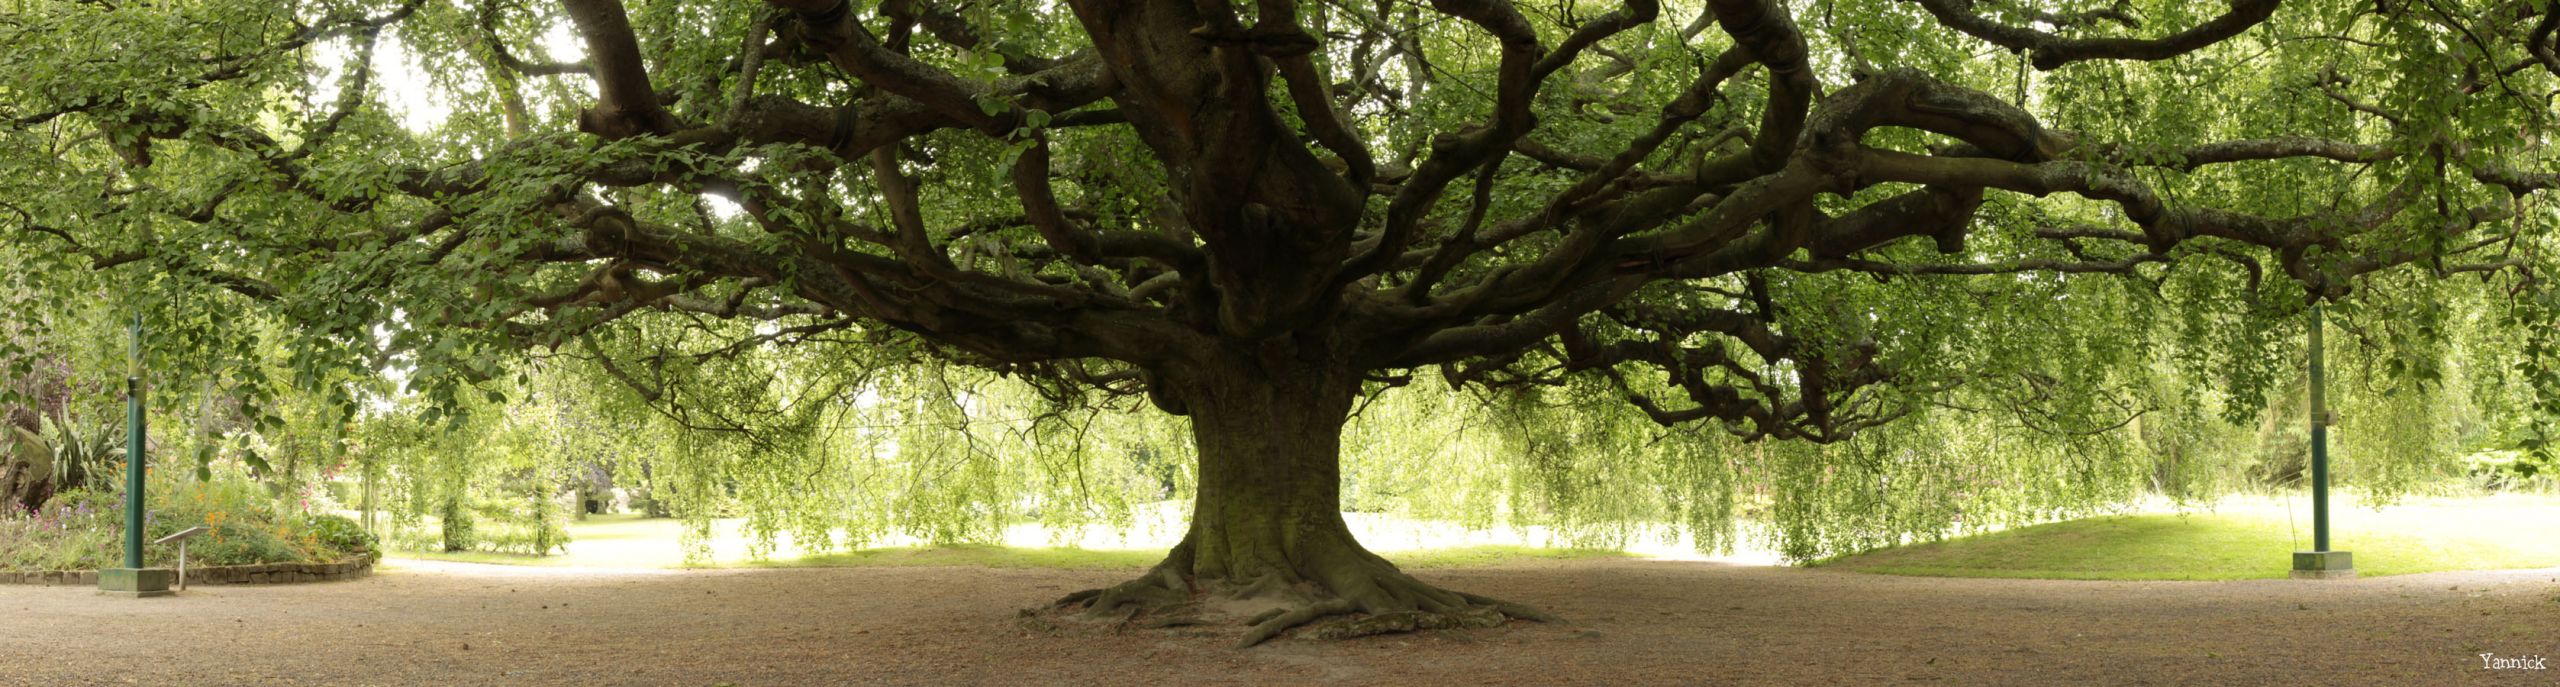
column 82, row 530
column 1133, row 559
column 2247, row 542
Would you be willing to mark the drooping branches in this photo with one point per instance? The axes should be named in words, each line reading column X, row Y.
column 1111, row 187
column 1255, row 214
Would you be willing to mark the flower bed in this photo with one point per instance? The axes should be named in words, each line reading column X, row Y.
column 79, row 531
column 264, row 573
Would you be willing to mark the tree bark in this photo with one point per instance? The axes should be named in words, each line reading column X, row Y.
column 1267, row 521
column 1269, row 500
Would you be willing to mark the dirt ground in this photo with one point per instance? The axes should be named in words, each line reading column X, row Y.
column 1631, row 622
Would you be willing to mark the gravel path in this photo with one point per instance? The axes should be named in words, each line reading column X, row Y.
column 1634, row 622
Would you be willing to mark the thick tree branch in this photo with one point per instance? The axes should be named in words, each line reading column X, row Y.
column 628, row 106
column 2050, row 51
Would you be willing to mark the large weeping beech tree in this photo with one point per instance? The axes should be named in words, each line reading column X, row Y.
column 1257, row 214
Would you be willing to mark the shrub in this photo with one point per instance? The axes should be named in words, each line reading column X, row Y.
column 457, row 522
column 493, row 525
column 522, row 539
column 82, row 529
column 247, row 523
column 2505, row 470
column 342, row 534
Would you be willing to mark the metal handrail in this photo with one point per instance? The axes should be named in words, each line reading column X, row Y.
column 183, row 534
column 181, row 538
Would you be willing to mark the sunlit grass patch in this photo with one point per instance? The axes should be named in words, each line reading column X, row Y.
column 975, row 555
column 1073, row 558
column 619, row 526
column 2244, row 543
column 627, row 541
column 491, row 558
column 1488, row 555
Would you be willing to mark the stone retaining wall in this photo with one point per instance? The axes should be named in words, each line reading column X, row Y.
column 268, row 573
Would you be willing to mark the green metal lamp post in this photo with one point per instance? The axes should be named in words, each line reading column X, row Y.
column 133, row 579
column 134, row 453
column 2320, row 563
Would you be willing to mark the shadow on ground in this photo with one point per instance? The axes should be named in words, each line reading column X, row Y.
column 1633, row 622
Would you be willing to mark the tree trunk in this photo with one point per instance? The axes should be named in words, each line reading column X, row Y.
column 1270, row 484
column 1267, row 523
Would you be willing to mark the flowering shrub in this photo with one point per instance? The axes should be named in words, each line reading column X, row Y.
column 80, row 529
column 64, row 533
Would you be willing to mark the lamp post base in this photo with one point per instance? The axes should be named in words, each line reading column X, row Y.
column 2323, row 565
column 135, row 582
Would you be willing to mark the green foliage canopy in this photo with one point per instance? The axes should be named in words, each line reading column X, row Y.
column 2034, row 254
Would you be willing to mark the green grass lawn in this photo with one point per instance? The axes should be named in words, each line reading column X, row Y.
column 1021, row 557
column 628, row 541
column 609, row 541
column 2245, row 542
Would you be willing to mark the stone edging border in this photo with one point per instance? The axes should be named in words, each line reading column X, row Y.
column 264, row 573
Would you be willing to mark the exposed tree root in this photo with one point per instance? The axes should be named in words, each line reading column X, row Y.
column 1521, row 611
column 1403, row 621
column 1162, row 586
column 1289, row 618
column 1357, row 601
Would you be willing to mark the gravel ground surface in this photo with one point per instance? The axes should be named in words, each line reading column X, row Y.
column 1633, row 622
